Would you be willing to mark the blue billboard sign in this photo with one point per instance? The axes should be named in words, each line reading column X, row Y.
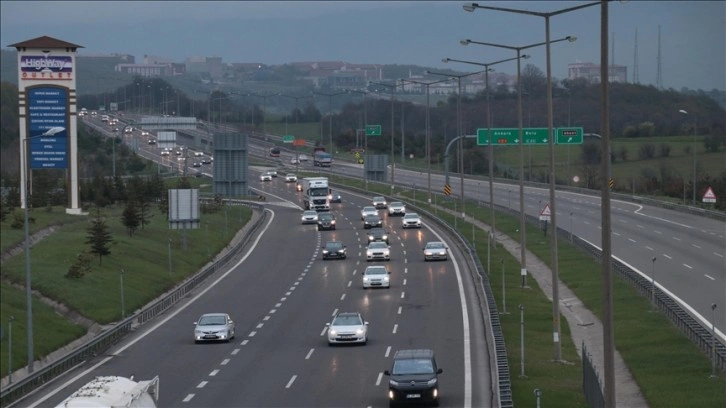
column 48, row 127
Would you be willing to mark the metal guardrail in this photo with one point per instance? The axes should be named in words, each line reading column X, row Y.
column 108, row 338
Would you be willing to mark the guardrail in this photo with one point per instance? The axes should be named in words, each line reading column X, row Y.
column 108, row 338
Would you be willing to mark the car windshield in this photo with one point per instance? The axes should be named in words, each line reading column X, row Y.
column 377, row 245
column 376, row 271
column 347, row 320
column 396, row 204
column 378, row 199
column 325, row 217
column 212, row 321
column 378, row 232
column 413, row 366
column 310, row 213
column 334, row 245
column 410, row 216
column 435, row 245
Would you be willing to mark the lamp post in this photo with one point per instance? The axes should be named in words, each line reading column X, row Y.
column 694, row 156
column 123, row 307
column 557, row 349
column 652, row 282
column 713, row 340
column 428, row 124
column 10, row 349
column 489, row 126
column 393, row 157
column 330, row 115
column 28, row 290
column 365, row 135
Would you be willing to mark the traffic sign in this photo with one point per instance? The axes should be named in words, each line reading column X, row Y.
column 298, row 142
column 569, row 135
column 447, row 189
column 709, row 196
column 373, row 130
column 510, row 136
column 546, row 213
column 611, row 182
column 288, row 139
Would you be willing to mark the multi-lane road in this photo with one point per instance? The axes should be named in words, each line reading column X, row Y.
column 281, row 294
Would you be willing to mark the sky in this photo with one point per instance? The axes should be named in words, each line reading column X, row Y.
column 692, row 33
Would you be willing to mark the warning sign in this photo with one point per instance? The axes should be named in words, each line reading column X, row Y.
column 545, row 214
column 709, row 196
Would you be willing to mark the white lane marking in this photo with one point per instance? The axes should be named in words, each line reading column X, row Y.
column 252, row 334
column 282, row 299
column 403, row 294
column 676, row 238
column 658, row 232
column 688, row 266
column 288, row 293
column 342, row 296
column 244, row 342
column 322, row 333
column 310, row 353
column 709, row 277
column 188, row 398
column 405, row 270
column 202, row 384
column 225, row 361
column 350, row 283
column 717, row 254
column 295, row 284
column 637, row 212
column 395, row 328
column 335, row 312
column 586, row 222
column 235, row 351
column 259, row 326
column 404, row 281
column 278, row 305
column 64, row 386
column 272, row 311
column 648, row 248
column 399, row 309
column 667, row 256
column 292, row 380
column 378, row 380
column 214, row 372
column 695, row 246
column 266, row 318
column 639, row 226
column 388, row 352
column 631, row 240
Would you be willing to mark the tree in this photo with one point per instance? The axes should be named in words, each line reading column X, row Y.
column 131, row 218
column 99, row 237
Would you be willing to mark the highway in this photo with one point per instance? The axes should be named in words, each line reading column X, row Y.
column 281, row 295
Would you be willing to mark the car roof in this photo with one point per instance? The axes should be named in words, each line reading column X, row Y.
column 370, row 207
column 414, row 353
column 344, row 314
column 214, row 314
column 410, row 215
column 372, row 267
column 377, row 243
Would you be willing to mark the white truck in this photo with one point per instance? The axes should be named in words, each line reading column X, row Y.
column 316, row 193
column 114, row 392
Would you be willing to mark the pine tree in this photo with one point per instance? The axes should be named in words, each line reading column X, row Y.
column 99, row 237
column 131, row 217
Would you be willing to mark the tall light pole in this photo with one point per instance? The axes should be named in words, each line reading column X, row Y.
column 330, row 115
column 490, row 149
column 428, row 124
column 365, row 136
column 393, row 157
column 296, row 98
column 694, row 157
column 557, row 349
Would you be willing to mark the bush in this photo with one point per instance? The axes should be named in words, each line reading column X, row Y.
column 646, row 151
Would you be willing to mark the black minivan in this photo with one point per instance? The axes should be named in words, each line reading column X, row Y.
column 414, row 378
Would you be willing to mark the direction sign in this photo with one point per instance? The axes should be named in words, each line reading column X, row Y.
column 288, row 139
column 568, row 135
column 510, row 136
column 546, row 213
column 373, row 130
column 709, row 196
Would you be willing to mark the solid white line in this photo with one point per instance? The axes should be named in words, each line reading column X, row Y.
column 310, row 353
column 188, row 398
column 225, row 361
column 688, row 266
column 291, row 381
column 202, row 384
column 214, row 372
column 709, row 277
column 163, row 321
column 378, row 380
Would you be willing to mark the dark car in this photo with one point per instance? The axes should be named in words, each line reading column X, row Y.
column 414, row 378
column 372, row 221
column 326, row 221
column 334, row 250
column 335, row 197
column 378, row 234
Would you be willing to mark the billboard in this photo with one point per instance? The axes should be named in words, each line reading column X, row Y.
column 48, row 127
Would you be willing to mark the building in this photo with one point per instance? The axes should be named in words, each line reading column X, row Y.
column 591, row 72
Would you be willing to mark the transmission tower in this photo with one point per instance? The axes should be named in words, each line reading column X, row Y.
column 636, row 77
column 659, row 75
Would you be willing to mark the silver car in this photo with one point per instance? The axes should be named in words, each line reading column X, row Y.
column 266, row 176
column 435, row 251
column 380, row 202
column 378, row 251
column 290, row 178
column 214, row 326
column 368, row 210
column 309, row 217
column 411, row 220
column 347, row 328
column 376, row 276
column 396, row 208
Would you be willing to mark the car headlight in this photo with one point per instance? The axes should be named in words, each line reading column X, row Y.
column 428, row 253
column 432, row 381
column 359, row 331
column 365, row 279
column 325, row 251
column 332, row 222
column 332, row 332
column 385, row 237
column 386, row 278
column 341, row 251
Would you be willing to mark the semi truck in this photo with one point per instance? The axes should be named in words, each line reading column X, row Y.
column 113, row 392
column 316, row 193
column 322, row 159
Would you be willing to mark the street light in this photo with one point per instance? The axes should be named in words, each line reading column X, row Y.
column 428, row 123
column 491, row 146
column 365, row 135
column 694, row 156
column 557, row 351
column 713, row 340
column 393, row 166
column 652, row 282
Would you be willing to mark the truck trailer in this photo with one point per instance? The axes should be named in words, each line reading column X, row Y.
column 114, row 392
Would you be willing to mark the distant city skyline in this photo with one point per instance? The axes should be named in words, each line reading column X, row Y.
column 692, row 40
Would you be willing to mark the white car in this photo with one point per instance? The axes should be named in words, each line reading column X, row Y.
column 294, row 160
column 266, row 176
column 302, row 158
column 380, row 202
column 214, row 326
column 128, row 129
column 396, row 208
column 347, row 328
column 378, row 251
column 144, row 133
column 376, row 276
column 290, row 178
column 368, row 210
column 309, row 217
column 436, row 250
column 164, row 152
column 411, row 220
column 198, row 154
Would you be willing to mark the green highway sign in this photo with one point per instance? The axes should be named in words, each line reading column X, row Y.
column 373, row 130
column 288, row 139
column 568, row 135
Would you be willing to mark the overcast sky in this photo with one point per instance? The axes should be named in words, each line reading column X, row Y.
column 693, row 40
